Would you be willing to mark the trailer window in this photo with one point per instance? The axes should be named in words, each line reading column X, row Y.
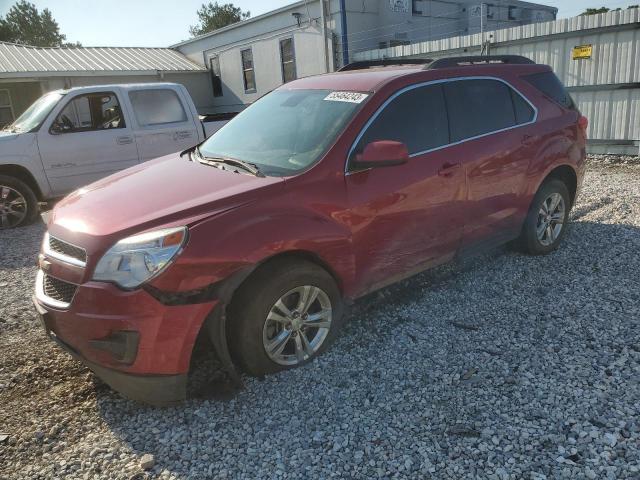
column 248, row 73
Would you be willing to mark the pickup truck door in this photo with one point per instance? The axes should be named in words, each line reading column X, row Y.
column 87, row 138
column 164, row 122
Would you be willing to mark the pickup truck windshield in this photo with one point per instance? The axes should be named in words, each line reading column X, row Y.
column 286, row 131
column 34, row 115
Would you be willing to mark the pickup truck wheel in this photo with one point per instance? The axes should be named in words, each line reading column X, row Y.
column 546, row 223
column 286, row 314
column 18, row 203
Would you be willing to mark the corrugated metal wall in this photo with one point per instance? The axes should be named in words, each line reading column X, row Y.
column 606, row 87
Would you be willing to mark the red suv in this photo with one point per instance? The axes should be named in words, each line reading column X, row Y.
column 324, row 190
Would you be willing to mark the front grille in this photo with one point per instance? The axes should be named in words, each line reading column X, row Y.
column 64, row 248
column 58, row 289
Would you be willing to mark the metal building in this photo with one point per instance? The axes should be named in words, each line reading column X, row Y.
column 28, row 72
column 596, row 56
column 309, row 37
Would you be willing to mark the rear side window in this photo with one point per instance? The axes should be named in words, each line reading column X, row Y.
column 417, row 118
column 477, row 107
column 549, row 84
column 157, row 107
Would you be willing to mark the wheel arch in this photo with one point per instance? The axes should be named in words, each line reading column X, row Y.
column 216, row 326
column 566, row 174
column 22, row 174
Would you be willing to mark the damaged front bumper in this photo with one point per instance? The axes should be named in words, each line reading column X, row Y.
column 142, row 348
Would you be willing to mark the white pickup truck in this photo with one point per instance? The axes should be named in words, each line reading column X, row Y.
column 70, row 138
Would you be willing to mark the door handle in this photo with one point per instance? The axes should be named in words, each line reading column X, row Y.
column 124, row 140
column 448, row 169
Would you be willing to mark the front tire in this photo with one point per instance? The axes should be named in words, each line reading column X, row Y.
column 546, row 222
column 285, row 315
column 18, row 203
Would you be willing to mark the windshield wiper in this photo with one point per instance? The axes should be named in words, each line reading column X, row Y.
column 249, row 167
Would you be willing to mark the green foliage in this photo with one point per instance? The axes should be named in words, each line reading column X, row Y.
column 212, row 16
column 593, row 11
column 26, row 25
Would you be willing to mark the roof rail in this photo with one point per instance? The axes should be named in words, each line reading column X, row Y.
column 384, row 63
column 452, row 62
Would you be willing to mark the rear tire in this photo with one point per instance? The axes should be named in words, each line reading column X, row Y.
column 287, row 313
column 18, row 203
column 546, row 223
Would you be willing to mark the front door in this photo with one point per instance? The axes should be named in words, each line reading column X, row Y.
column 405, row 218
column 163, row 124
column 89, row 139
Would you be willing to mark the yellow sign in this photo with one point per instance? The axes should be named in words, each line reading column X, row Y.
column 582, row 51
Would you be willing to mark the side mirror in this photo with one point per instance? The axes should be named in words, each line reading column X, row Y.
column 382, row 153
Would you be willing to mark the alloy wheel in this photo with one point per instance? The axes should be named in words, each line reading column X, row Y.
column 550, row 219
column 297, row 325
column 13, row 207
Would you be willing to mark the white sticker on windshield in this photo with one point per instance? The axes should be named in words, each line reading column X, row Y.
column 351, row 97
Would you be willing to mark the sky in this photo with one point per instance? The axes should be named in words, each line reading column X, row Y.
column 160, row 23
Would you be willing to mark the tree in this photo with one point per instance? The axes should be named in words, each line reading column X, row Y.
column 213, row 16
column 593, row 11
column 25, row 24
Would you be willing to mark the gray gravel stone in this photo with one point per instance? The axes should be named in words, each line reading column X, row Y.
column 545, row 383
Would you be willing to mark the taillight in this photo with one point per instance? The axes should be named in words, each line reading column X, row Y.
column 583, row 123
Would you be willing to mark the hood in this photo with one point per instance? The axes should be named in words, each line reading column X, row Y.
column 168, row 191
column 5, row 136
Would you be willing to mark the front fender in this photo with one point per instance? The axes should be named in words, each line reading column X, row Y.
column 237, row 241
column 21, row 151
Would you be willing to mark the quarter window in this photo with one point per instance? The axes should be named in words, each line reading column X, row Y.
column 6, row 110
column 248, row 72
column 157, row 107
column 549, row 84
column 288, row 59
column 93, row 111
column 524, row 112
column 478, row 107
column 417, row 118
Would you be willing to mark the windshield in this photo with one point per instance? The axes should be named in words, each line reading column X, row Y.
column 36, row 113
column 286, row 131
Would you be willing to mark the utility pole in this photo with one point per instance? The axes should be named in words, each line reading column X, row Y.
column 482, row 28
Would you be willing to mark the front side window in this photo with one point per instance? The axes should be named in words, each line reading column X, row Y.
column 248, row 74
column 157, row 107
column 6, row 110
column 285, row 131
column 90, row 112
column 417, row 118
column 478, row 107
column 288, row 59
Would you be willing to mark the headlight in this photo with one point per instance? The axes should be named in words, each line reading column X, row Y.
column 137, row 259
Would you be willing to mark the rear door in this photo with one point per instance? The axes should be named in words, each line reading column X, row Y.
column 89, row 138
column 492, row 137
column 164, row 123
column 407, row 217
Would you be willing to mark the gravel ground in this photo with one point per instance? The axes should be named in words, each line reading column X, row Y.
column 504, row 367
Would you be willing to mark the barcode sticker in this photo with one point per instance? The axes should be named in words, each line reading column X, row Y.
column 351, row 97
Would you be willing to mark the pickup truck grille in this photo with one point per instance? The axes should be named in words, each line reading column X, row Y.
column 65, row 249
column 59, row 289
